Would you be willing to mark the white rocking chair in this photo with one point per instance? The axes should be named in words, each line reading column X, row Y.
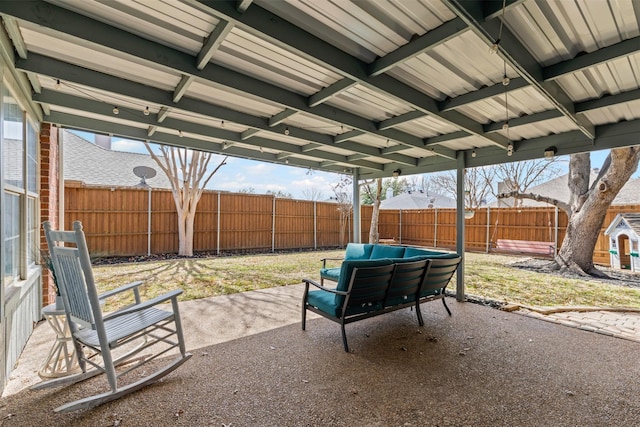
column 137, row 327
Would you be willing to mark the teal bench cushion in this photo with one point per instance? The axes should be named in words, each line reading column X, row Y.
column 358, row 251
column 413, row 252
column 385, row 251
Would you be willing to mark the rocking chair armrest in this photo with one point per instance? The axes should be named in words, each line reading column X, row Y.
column 172, row 295
column 124, row 288
column 324, row 288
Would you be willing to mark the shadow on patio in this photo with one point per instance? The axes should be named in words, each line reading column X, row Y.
column 253, row 366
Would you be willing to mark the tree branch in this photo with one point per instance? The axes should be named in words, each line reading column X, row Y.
column 538, row 198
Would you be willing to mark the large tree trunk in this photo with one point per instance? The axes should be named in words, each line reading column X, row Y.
column 589, row 204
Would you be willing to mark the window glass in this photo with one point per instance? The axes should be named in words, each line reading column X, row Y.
column 11, row 216
column 32, row 158
column 13, row 167
column 32, row 231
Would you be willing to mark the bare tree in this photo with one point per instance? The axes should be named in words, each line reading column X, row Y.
column 421, row 184
column 476, row 184
column 345, row 203
column 313, row 194
column 588, row 204
column 188, row 175
column 519, row 177
column 483, row 182
column 280, row 194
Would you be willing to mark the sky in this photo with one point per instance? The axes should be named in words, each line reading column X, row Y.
column 240, row 174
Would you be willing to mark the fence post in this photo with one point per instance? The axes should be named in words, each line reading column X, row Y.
column 400, row 231
column 149, row 224
column 218, row 228
column 435, row 228
column 555, row 237
column 273, row 226
column 315, row 224
column 488, row 243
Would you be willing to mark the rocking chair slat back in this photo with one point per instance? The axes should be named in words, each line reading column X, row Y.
column 73, row 287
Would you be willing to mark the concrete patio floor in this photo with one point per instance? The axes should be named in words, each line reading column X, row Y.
column 253, row 366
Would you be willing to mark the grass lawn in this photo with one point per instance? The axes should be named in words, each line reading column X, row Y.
column 488, row 276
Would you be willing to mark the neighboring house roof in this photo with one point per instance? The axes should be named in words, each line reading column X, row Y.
column 631, row 220
column 558, row 188
column 418, row 201
column 94, row 165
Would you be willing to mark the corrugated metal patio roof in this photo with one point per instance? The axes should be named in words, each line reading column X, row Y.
column 372, row 86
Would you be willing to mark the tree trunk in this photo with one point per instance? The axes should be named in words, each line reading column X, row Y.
column 589, row 207
column 374, row 233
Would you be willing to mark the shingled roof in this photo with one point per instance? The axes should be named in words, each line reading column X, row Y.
column 95, row 165
column 418, row 201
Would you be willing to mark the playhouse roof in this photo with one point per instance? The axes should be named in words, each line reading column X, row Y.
column 631, row 219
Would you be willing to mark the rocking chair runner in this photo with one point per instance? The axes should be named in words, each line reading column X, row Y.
column 133, row 329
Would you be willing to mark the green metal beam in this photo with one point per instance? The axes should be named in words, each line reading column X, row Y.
column 418, row 45
column 281, row 117
column 402, row 118
column 330, row 91
column 524, row 120
column 483, row 93
column 345, row 136
column 212, row 43
column 182, row 87
column 586, row 60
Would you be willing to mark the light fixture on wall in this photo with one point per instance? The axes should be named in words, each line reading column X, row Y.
column 473, row 153
column 550, row 153
column 397, row 173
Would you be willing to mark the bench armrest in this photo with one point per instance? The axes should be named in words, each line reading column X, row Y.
column 324, row 261
column 319, row 286
column 172, row 295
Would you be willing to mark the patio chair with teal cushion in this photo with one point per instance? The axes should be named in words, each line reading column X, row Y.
column 117, row 337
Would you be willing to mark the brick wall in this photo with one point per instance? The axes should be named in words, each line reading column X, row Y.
column 49, row 197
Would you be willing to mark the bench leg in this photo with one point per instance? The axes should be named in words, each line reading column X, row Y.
column 304, row 315
column 419, row 314
column 344, row 339
column 445, row 305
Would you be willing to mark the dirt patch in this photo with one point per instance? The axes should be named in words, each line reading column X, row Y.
column 614, row 276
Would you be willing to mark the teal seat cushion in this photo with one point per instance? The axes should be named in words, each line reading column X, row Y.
column 324, row 301
column 330, row 273
column 385, row 251
column 358, row 251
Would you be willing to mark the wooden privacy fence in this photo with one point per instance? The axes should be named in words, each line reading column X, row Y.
column 116, row 221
